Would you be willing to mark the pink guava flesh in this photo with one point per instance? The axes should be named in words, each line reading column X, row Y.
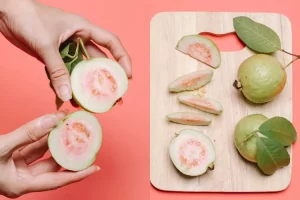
column 189, row 118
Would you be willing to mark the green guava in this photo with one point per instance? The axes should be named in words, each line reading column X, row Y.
column 192, row 152
column 261, row 78
column 74, row 143
column 98, row 83
column 244, row 140
column 200, row 48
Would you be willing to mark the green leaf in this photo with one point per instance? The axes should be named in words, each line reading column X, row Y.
column 280, row 130
column 256, row 36
column 65, row 51
column 271, row 156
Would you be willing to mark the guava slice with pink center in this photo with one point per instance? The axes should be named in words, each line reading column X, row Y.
column 200, row 48
column 192, row 152
column 74, row 143
column 205, row 104
column 98, row 83
column 191, row 81
column 189, row 118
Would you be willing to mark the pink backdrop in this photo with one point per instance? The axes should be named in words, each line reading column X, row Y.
column 124, row 156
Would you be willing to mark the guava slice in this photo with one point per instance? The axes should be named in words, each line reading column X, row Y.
column 189, row 118
column 200, row 48
column 192, row 152
column 74, row 143
column 191, row 81
column 98, row 83
column 202, row 103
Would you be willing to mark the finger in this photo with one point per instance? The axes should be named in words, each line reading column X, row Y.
column 32, row 131
column 54, row 180
column 35, row 151
column 94, row 51
column 43, row 166
column 59, row 74
column 111, row 42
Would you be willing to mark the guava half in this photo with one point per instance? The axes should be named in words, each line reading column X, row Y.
column 98, row 83
column 200, row 48
column 192, row 152
column 244, row 140
column 261, row 78
column 191, row 81
column 75, row 142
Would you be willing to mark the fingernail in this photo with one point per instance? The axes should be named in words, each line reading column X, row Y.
column 97, row 168
column 65, row 93
column 49, row 121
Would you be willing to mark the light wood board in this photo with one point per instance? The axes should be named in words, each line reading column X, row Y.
column 231, row 173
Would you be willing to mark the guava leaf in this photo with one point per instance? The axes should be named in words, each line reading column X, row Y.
column 65, row 51
column 280, row 130
column 256, row 36
column 271, row 156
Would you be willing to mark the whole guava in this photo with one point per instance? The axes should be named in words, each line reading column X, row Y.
column 243, row 139
column 261, row 78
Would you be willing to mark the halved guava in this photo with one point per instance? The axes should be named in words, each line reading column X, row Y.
column 74, row 143
column 192, row 152
column 189, row 118
column 98, row 83
column 200, row 48
column 201, row 103
column 191, row 81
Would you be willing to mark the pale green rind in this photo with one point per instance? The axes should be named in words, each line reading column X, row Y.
column 56, row 146
column 256, row 35
column 204, row 76
column 271, row 156
column 185, row 134
column 244, row 128
column 189, row 118
column 280, row 130
column 188, row 40
column 262, row 78
column 83, row 99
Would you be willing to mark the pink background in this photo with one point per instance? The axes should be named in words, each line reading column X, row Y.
column 124, row 156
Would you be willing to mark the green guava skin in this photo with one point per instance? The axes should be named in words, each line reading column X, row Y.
column 243, row 129
column 262, row 78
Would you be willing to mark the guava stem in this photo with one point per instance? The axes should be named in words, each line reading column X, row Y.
column 249, row 136
column 291, row 62
column 237, row 85
column 76, row 52
column 284, row 51
column 83, row 48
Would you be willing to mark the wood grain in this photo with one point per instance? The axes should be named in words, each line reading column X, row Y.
column 231, row 173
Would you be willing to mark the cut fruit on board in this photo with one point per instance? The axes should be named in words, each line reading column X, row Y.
column 189, row 118
column 74, row 143
column 98, row 83
column 192, row 152
column 191, row 81
column 200, row 48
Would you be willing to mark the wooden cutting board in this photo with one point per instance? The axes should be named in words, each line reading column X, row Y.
column 231, row 173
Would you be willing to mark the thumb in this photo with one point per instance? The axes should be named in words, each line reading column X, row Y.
column 32, row 131
column 58, row 72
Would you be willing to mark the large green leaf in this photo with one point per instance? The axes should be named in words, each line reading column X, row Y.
column 256, row 36
column 279, row 129
column 271, row 156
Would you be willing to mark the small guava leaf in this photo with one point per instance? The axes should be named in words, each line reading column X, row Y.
column 271, row 155
column 256, row 36
column 65, row 51
column 279, row 129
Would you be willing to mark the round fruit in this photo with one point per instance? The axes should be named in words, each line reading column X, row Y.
column 192, row 152
column 261, row 78
column 244, row 140
column 98, row 83
column 75, row 142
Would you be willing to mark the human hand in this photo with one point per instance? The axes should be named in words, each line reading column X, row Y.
column 20, row 148
column 39, row 30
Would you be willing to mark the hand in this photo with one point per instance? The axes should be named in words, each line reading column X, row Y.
column 20, row 148
column 39, row 30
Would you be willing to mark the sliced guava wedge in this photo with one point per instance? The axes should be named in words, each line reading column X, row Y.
column 200, row 48
column 205, row 104
column 189, row 118
column 74, row 143
column 98, row 83
column 191, row 81
column 192, row 152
